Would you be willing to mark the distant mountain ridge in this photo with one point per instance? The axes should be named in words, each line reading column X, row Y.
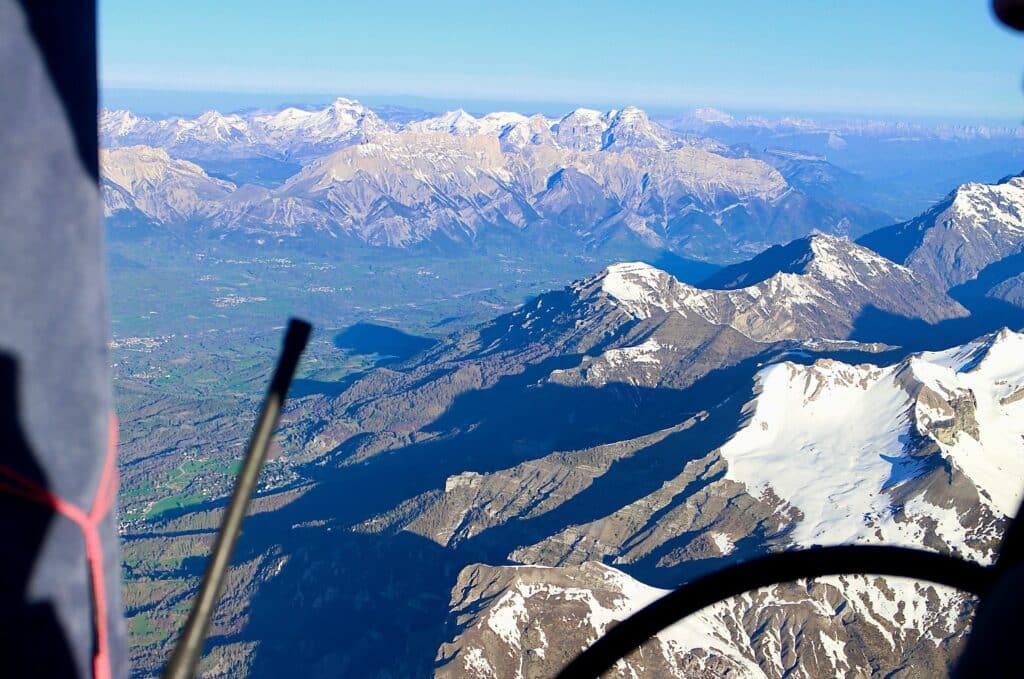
column 971, row 245
column 788, row 291
column 289, row 133
column 704, row 119
column 898, row 167
column 298, row 133
column 587, row 179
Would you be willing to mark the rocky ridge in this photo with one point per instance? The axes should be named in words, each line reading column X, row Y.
column 636, row 326
column 977, row 227
column 937, row 465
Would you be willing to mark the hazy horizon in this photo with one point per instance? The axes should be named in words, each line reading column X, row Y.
column 159, row 102
column 911, row 60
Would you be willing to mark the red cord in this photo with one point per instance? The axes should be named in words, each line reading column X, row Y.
column 88, row 523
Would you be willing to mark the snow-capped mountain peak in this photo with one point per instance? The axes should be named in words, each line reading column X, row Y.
column 997, row 352
column 117, row 123
column 841, row 260
column 344, row 103
column 213, row 127
column 1002, row 202
column 589, row 115
column 582, row 129
column 637, row 286
column 814, row 287
column 976, row 226
column 499, row 122
column 827, row 259
column 712, row 115
column 288, row 132
column 456, row 122
column 340, row 118
column 515, row 130
column 631, row 128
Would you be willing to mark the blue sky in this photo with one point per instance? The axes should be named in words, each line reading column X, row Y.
column 908, row 58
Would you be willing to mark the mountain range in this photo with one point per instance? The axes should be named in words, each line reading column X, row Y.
column 898, row 167
column 291, row 132
column 586, row 180
column 705, row 119
column 925, row 452
column 490, row 505
column 521, row 485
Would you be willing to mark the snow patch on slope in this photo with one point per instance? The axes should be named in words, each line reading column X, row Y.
column 831, row 439
column 510, row 617
column 798, row 443
column 641, row 353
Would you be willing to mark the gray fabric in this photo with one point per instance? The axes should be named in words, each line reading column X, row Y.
column 55, row 365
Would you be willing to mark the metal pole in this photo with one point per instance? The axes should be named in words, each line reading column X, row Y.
column 186, row 653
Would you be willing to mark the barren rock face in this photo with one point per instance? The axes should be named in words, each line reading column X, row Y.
column 398, row 188
column 150, row 181
column 1010, row 290
column 948, row 415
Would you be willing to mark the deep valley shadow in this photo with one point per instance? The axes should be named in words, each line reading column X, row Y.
column 988, row 315
column 391, row 344
column 350, row 604
column 357, row 603
column 375, row 605
column 690, row 271
column 987, row 278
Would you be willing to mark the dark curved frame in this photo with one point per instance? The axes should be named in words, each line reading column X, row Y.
column 631, row 633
